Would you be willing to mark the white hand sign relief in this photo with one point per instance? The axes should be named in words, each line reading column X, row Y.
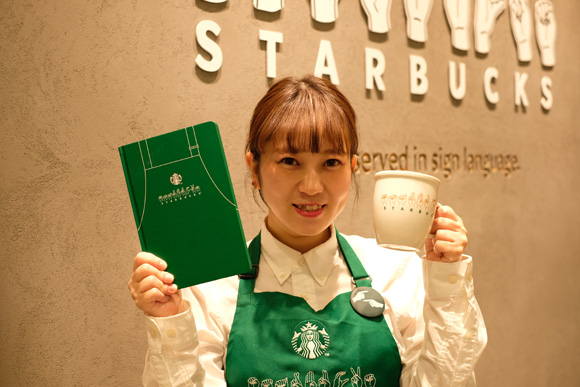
column 417, row 13
column 282, row 383
column 521, row 23
column 338, row 382
column 546, row 31
column 458, row 14
column 324, row 381
column 485, row 16
column 310, row 380
column 356, row 380
column 269, row 5
column 373, row 303
column 324, row 11
column 359, row 296
column 378, row 15
column 370, row 380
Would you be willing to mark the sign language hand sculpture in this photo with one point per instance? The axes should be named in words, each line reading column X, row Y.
column 269, row 5
column 485, row 16
column 378, row 15
column 546, row 31
column 458, row 14
column 521, row 23
column 324, row 11
column 418, row 13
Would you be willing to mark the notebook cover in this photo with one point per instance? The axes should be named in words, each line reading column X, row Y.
column 184, row 204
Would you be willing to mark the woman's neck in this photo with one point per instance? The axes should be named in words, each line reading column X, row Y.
column 300, row 243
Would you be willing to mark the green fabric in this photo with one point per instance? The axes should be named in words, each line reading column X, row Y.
column 279, row 340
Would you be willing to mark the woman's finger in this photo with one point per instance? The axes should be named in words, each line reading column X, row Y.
column 151, row 259
column 146, row 270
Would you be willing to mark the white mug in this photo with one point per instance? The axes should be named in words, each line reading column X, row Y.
column 404, row 205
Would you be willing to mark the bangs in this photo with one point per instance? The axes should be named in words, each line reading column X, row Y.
column 308, row 124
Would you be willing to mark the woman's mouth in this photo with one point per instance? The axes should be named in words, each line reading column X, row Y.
column 309, row 210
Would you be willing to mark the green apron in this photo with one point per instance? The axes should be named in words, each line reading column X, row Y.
column 278, row 340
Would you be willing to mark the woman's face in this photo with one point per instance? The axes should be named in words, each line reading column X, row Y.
column 304, row 192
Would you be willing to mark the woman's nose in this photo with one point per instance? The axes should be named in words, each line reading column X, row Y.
column 311, row 183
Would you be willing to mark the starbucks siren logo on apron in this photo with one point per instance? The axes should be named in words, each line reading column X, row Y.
column 310, row 339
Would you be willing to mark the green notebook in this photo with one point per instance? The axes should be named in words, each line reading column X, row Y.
column 184, row 204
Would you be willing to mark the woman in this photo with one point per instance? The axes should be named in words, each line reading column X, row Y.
column 293, row 321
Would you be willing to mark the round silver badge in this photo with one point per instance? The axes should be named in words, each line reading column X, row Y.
column 367, row 302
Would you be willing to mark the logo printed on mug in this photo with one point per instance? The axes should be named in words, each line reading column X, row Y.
column 403, row 208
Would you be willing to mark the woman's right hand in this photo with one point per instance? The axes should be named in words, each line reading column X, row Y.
column 152, row 288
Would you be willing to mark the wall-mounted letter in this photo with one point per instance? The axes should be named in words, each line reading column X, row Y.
column 325, row 64
column 374, row 73
column 418, row 75
column 457, row 91
column 521, row 22
column 378, row 15
column 215, row 63
column 417, row 13
column 324, row 11
column 520, row 96
column 547, row 100
column 485, row 16
column 458, row 14
column 269, row 5
column 490, row 74
column 546, row 32
column 271, row 38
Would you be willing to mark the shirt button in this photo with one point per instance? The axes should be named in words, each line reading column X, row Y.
column 171, row 333
column 153, row 333
column 469, row 335
column 320, row 278
column 452, row 279
column 302, row 261
column 469, row 277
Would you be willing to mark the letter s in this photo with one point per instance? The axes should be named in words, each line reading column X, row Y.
column 547, row 100
column 208, row 45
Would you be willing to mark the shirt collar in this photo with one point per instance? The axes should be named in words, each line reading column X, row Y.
column 321, row 260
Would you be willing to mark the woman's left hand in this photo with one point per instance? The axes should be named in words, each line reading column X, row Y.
column 450, row 236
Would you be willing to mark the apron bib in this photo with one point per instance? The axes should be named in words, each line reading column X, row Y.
column 278, row 340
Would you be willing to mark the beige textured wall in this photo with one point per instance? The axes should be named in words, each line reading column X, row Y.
column 80, row 78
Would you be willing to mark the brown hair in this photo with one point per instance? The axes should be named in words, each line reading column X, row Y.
column 306, row 114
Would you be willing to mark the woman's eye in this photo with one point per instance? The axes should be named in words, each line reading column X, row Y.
column 288, row 161
column 332, row 163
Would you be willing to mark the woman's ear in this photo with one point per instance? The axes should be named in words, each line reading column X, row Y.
column 253, row 167
column 353, row 163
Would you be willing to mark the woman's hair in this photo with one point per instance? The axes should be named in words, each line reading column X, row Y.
column 303, row 115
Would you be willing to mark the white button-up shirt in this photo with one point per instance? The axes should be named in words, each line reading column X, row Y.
column 430, row 309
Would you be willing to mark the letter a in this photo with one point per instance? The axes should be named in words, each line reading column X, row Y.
column 325, row 62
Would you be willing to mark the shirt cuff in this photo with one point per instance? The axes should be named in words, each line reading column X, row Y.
column 171, row 333
column 448, row 279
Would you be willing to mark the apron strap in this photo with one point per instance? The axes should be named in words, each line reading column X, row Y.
column 246, row 287
column 356, row 268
